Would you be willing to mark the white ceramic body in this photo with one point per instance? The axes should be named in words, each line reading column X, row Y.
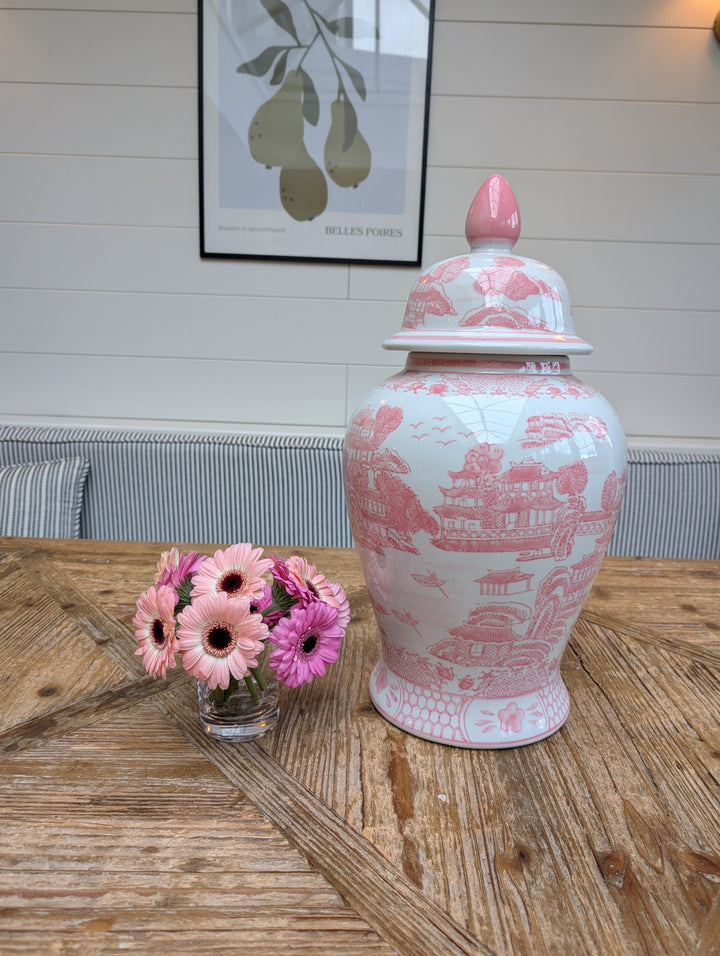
column 482, row 492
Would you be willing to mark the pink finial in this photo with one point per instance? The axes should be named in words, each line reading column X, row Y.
column 494, row 217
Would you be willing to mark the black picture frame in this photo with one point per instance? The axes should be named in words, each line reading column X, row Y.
column 313, row 125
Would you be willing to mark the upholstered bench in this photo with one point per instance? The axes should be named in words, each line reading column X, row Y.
column 170, row 486
column 191, row 486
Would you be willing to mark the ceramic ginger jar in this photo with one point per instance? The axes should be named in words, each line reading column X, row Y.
column 482, row 483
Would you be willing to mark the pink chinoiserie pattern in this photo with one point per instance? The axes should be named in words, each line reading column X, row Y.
column 384, row 509
column 483, row 483
column 465, row 720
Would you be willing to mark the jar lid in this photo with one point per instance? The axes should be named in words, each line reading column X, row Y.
column 490, row 300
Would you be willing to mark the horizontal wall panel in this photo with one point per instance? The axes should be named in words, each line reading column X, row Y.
column 175, row 424
column 640, row 340
column 605, row 135
column 109, row 48
column 621, row 275
column 663, row 406
column 251, row 329
column 640, row 13
column 100, row 190
column 634, row 275
column 631, row 207
column 393, row 284
column 173, row 389
column 582, row 62
column 104, row 258
column 99, row 120
column 127, row 6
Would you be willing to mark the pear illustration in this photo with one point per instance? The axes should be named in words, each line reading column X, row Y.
column 346, row 167
column 303, row 189
column 277, row 126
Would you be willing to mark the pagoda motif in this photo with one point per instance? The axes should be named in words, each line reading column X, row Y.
column 528, row 508
column 499, row 583
column 486, row 510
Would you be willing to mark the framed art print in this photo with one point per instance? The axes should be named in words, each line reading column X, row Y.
column 313, row 128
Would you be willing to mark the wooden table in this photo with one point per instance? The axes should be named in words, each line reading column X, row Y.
column 125, row 828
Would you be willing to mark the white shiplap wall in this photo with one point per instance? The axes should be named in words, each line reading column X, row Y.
column 605, row 118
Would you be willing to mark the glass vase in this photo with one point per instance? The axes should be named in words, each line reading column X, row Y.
column 245, row 711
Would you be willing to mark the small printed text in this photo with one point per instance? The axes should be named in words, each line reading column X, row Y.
column 369, row 232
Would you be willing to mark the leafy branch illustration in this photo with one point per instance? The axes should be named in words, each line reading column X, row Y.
column 276, row 136
column 406, row 617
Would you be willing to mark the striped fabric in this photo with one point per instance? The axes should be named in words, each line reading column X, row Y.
column 671, row 507
column 174, row 487
column 42, row 500
column 287, row 489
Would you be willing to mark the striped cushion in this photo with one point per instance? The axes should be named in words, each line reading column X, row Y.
column 44, row 499
column 172, row 487
column 671, row 507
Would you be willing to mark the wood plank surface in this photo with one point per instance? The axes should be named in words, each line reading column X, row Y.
column 338, row 832
column 117, row 836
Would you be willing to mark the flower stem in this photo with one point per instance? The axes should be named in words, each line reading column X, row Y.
column 259, row 677
column 221, row 696
column 250, row 684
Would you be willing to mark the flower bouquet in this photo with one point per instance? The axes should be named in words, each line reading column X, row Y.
column 241, row 623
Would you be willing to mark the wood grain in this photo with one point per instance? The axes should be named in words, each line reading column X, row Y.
column 346, row 833
column 118, row 836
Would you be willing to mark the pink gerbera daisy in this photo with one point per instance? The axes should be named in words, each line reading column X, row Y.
column 237, row 572
column 302, row 580
column 299, row 577
column 219, row 636
column 174, row 567
column 168, row 559
column 306, row 642
column 340, row 601
column 155, row 629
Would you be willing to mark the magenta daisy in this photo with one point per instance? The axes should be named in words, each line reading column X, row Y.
column 219, row 636
column 236, row 572
column 306, row 642
column 154, row 623
column 260, row 604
